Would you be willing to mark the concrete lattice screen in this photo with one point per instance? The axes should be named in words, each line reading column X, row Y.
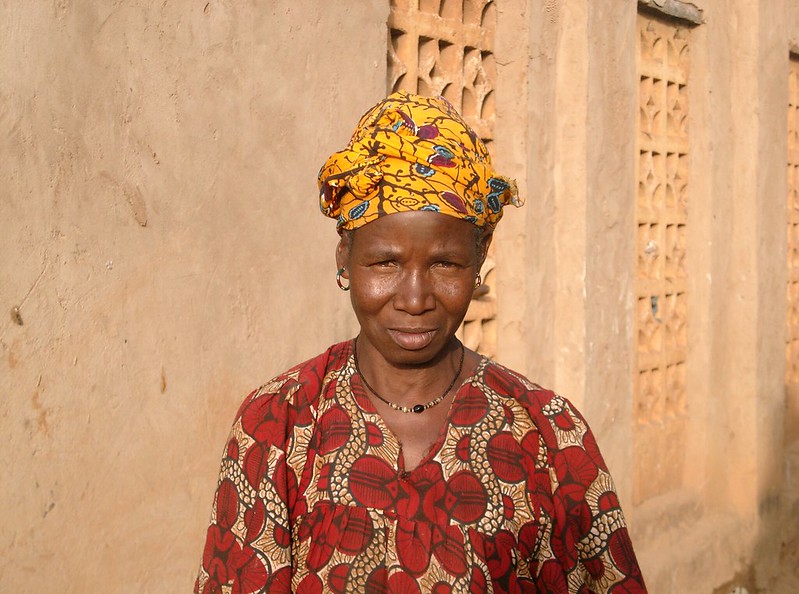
column 444, row 47
column 660, row 402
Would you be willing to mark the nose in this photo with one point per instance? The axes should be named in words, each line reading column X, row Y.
column 414, row 293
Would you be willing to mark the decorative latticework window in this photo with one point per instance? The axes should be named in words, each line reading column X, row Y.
column 445, row 47
column 792, row 346
column 660, row 407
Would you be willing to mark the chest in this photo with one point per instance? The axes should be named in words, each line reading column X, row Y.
column 466, row 467
column 417, row 435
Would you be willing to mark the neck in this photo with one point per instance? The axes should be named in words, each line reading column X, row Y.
column 409, row 384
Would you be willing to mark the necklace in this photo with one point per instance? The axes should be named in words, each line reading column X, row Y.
column 416, row 408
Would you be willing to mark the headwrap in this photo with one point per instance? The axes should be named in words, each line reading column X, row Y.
column 413, row 153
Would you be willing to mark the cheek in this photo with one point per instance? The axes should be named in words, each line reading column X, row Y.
column 370, row 294
column 456, row 294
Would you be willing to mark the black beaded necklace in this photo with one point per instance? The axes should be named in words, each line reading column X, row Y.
column 416, row 408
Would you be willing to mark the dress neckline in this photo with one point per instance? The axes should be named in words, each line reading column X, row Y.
column 399, row 463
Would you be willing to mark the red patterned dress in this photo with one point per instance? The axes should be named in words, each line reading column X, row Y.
column 313, row 496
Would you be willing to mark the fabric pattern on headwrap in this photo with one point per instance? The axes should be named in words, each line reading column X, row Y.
column 412, row 153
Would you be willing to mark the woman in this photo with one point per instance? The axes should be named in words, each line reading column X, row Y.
column 401, row 461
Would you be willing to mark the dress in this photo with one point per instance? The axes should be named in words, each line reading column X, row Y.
column 513, row 497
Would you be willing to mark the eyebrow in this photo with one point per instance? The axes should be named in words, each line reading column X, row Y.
column 387, row 251
column 382, row 253
column 447, row 252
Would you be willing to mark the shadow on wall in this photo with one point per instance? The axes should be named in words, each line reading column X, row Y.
column 775, row 568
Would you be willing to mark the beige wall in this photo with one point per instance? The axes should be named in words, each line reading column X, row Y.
column 566, row 311
column 160, row 236
column 573, row 329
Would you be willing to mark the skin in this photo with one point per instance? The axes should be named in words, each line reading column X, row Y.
column 411, row 277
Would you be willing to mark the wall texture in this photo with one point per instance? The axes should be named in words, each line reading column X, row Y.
column 159, row 232
column 161, row 249
column 726, row 515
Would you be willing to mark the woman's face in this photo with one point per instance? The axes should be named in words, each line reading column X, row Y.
column 411, row 279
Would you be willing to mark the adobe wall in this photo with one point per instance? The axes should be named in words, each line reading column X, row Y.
column 162, row 249
column 161, row 239
column 565, row 310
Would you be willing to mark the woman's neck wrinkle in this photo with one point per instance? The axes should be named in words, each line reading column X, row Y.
column 411, row 384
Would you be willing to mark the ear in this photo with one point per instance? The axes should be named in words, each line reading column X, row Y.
column 343, row 252
column 482, row 247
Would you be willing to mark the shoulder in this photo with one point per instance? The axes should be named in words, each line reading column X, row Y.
column 306, row 377
column 507, row 383
column 290, row 398
column 558, row 421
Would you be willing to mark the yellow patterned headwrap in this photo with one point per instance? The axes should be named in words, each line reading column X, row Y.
column 413, row 153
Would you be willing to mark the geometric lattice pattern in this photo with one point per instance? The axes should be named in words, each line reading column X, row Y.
column 792, row 346
column 445, row 47
column 660, row 407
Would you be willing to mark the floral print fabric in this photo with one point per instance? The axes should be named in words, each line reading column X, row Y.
column 313, row 497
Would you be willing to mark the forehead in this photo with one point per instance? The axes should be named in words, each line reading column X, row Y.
column 416, row 229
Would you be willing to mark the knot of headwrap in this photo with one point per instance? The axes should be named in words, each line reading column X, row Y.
column 413, row 153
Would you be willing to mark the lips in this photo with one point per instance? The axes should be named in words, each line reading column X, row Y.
column 412, row 339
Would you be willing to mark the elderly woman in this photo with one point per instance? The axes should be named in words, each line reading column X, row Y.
column 400, row 461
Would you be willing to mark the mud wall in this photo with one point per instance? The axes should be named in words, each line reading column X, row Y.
column 161, row 249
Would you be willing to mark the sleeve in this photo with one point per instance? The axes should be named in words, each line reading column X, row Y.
column 248, row 542
column 590, row 548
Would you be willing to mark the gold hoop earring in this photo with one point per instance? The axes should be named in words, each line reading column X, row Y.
column 338, row 280
column 478, row 281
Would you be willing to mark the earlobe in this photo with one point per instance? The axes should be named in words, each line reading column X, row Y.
column 342, row 259
column 339, row 276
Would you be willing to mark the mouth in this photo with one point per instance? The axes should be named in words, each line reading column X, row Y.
column 412, row 339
